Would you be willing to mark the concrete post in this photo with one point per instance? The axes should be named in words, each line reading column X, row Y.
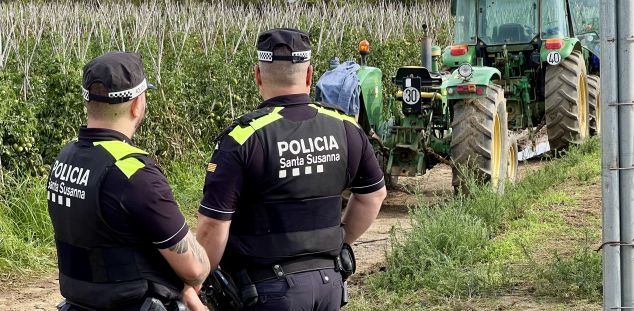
column 610, row 157
column 625, row 55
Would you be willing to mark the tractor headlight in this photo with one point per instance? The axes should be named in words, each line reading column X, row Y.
column 465, row 71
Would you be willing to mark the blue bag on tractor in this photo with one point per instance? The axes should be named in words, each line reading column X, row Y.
column 340, row 87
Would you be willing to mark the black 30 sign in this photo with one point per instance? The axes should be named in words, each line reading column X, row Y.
column 411, row 92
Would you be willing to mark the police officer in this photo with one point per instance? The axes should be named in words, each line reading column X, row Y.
column 122, row 243
column 272, row 193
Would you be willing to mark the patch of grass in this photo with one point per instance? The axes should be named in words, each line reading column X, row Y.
column 572, row 277
column 466, row 247
column 26, row 242
column 187, row 178
column 448, row 239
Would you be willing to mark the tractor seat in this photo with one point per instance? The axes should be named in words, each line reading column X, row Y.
column 510, row 33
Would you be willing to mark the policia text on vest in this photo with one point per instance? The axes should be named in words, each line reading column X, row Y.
column 298, row 154
column 66, row 173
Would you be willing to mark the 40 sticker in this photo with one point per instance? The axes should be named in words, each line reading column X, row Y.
column 553, row 58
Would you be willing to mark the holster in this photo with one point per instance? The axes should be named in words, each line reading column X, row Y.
column 346, row 263
column 220, row 293
column 153, row 304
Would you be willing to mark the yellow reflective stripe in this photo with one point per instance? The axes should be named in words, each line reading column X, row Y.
column 241, row 134
column 119, row 149
column 335, row 114
column 129, row 166
column 267, row 119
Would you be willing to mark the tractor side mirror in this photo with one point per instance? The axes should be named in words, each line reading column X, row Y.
column 453, row 8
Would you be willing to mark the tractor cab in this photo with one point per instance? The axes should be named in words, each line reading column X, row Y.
column 587, row 28
column 490, row 29
column 514, row 43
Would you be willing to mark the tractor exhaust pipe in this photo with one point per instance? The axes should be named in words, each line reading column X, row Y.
column 426, row 50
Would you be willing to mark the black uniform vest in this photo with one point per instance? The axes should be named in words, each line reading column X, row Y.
column 97, row 267
column 296, row 209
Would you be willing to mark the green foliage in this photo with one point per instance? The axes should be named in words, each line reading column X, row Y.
column 200, row 55
column 443, row 239
column 186, row 177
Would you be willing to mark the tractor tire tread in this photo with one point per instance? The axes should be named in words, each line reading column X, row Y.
column 472, row 141
column 594, row 92
column 562, row 115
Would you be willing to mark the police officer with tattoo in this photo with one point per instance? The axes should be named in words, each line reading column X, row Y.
column 122, row 243
column 271, row 210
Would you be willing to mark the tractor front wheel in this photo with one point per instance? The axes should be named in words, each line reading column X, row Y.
column 479, row 147
column 567, row 117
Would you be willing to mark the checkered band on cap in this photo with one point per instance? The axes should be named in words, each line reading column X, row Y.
column 84, row 93
column 303, row 54
column 126, row 94
column 265, row 56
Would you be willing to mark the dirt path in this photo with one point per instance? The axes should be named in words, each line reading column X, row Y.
column 370, row 248
column 39, row 293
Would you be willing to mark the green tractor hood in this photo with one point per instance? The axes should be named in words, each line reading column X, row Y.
column 371, row 83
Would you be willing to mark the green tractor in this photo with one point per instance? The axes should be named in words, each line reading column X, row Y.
column 529, row 49
column 422, row 126
column 515, row 66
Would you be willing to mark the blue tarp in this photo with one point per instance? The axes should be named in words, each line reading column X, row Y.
column 340, row 87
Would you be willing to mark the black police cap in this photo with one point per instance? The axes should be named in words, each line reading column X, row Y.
column 297, row 41
column 121, row 73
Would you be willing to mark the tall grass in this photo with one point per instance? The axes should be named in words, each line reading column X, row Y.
column 27, row 234
column 26, row 242
column 449, row 252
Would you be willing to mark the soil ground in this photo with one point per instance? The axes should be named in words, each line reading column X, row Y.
column 42, row 292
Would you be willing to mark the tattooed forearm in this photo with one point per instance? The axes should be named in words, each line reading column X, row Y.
column 185, row 245
column 182, row 246
column 199, row 252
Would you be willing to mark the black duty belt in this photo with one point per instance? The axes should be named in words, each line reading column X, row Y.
column 282, row 269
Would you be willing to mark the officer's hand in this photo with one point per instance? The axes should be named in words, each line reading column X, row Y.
column 190, row 298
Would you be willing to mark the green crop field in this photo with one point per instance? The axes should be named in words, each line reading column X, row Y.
column 200, row 56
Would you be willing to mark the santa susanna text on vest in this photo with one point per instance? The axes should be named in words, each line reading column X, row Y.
column 62, row 174
column 308, row 147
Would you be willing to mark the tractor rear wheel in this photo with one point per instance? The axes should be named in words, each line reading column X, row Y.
column 567, row 116
column 594, row 102
column 480, row 140
column 512, row 160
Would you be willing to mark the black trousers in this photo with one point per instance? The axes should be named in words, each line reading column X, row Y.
column 318, row 290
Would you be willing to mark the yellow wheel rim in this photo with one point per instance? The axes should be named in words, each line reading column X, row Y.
column 496, row 153
column 583, row 107
column 512, row 165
